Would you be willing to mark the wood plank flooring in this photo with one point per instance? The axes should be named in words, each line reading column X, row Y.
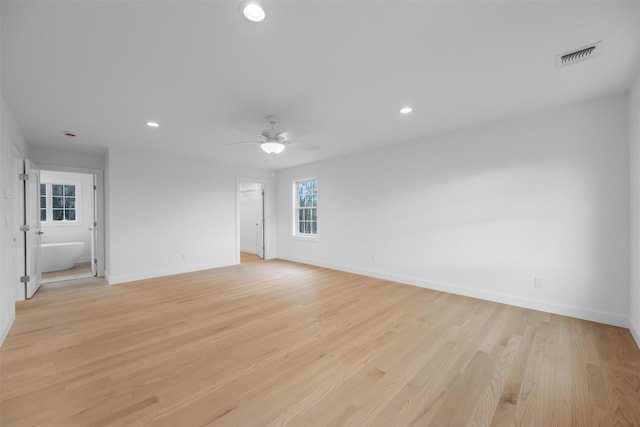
column 279, row 343
column 80, row 270
column 248, row 257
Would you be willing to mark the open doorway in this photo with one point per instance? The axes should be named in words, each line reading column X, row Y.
column 67, row 216
column 77, row 200
column 251, row 221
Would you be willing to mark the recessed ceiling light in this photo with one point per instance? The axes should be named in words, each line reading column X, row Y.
column 152, row 124
column 405, row 110
column 253, row 11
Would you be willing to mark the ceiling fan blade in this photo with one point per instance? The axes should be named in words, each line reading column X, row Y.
column 292, row 134
column 302, row 145
column 243, row 142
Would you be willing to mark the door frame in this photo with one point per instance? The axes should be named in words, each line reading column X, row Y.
column 100, row 208
column 33, row 234
column 267, row 236
column 256, row 189
column 18, row 236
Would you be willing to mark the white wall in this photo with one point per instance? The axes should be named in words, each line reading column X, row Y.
column 162, row 207
column 250, row 205
column 11, row 145
column 485, row 210
column 79, row 231
column 634, row 296
column 73, row 157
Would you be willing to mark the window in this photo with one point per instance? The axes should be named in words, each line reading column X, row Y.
column 306, row 208
column 58, row 203
column 43, row 202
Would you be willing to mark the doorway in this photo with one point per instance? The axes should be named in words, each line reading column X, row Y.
column 67, row 215
column 251, row 221
column 74, row 200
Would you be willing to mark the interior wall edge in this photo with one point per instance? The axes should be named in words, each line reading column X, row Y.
column 584, row 313
column 634, row 146
column 7, row 329
column 634, row 328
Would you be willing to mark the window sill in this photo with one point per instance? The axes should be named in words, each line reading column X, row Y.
column 60, row 224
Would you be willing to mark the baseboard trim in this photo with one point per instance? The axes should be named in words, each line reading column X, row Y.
column 125, row 278
column 84, row 259
column 585, row 313
column 7, row 329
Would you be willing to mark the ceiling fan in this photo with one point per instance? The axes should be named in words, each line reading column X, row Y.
column 274, row 141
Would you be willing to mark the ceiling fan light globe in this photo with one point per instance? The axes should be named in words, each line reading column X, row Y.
column 272, row 147
column 253, row 12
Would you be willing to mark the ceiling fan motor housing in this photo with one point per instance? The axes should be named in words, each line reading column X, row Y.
column 271, row 133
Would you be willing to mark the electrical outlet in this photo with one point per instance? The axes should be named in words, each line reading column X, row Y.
column 537, row 282
column 183, row 257
column 373, row 258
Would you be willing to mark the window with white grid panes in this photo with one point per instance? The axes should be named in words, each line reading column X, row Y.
column 58, row 203
column 306, row 208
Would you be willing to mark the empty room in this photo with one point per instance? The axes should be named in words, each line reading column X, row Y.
column 326, row 213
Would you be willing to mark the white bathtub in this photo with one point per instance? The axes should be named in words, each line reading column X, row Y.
column 60, row 256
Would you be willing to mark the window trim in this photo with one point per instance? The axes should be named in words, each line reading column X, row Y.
column 294, row 211
column 64, row 223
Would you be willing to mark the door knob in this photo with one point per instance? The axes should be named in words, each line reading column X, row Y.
column 39, row 232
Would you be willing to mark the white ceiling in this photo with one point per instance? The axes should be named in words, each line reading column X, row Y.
column 337, row 71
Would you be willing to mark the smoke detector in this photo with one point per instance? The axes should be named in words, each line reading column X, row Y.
column 578, row 55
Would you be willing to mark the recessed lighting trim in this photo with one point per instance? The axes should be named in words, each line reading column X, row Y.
column 152, row 124
column 405, row 110
column 253, row 12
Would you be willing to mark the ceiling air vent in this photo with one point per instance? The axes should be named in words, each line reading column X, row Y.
column 578, row 55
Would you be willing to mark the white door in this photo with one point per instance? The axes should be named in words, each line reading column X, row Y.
column 251, row 218
column 94, row 228
column 33, row 268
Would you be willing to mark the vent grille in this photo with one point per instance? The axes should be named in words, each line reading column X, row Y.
column 578, row 55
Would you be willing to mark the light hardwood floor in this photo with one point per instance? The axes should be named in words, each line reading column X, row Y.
column 279, row 343
column 248, row 257
column 77, row 271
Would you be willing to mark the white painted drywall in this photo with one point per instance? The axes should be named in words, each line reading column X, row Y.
column 485, row 210
column 161, row 207
column 11, row 145
column 634, row 294
column 73, row 157
column 250, row 205
column 74, row 232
